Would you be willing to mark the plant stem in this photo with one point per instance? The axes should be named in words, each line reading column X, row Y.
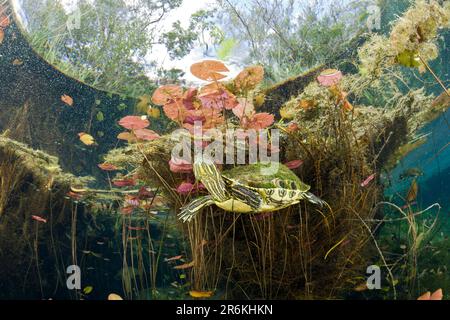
column 434, row 75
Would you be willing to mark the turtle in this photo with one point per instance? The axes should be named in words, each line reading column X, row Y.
column 248, row 188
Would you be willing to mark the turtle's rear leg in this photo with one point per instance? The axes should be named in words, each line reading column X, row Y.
column 188, row 212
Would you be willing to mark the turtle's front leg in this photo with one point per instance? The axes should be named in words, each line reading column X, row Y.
column 188, row 212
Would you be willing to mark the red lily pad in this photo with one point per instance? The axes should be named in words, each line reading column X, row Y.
column 146, row 134
column 180, row 166
column 329, row 77
column 164, row 94
column 209, row 70
column 107, row 167
column 134, row 122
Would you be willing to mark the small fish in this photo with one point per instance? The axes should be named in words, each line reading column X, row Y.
column 173, row 258
column 406, row 206
column 135, row 228
column 361, row 287
column 39, row 219
column 201, row 294
column 87, row 139
column 124, row 182
column 77, row 190
column 127, row 210
column 412, row 192
column 67, row 100
column 294, row 164
column 184, row 266
column 366, row 182
column 73, row 195
column 411, row 172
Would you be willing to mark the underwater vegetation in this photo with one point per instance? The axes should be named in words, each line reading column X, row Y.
column 151, row 223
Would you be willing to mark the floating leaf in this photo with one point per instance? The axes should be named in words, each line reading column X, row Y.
column 87, row 139
column 134, row 122
column 88, row 289
column 113, row 296
column 98, row 102
column 261, row 121
column 128, row 136
column 100, row 117
column 67, row 100
column 245, row 108
column 209, row 70
column 4, row 21
column 122, row 106
column 201, row 294
column 17, row 62
column 174, row 111
column 164, row 94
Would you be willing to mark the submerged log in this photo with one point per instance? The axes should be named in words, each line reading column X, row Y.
column 35, row 216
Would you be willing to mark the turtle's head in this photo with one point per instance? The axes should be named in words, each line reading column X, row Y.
column 206, row 172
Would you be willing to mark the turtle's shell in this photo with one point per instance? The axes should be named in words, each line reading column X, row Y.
column 260, row 175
